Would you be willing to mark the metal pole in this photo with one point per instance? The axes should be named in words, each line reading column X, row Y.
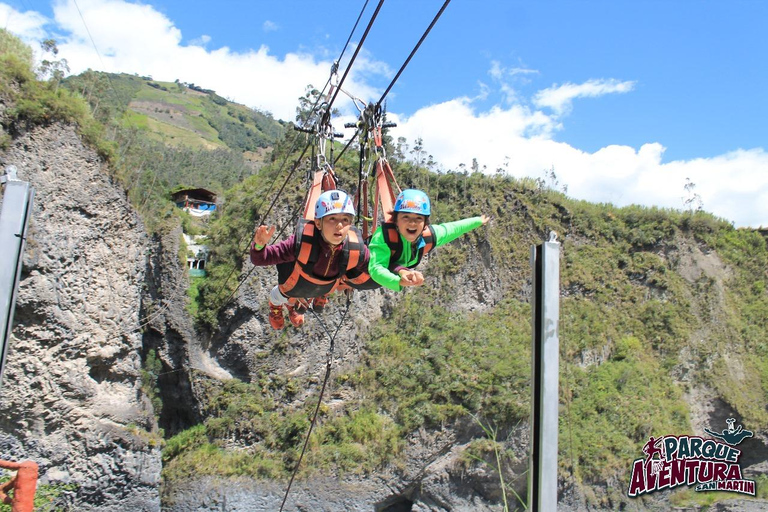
column 16, row 210
column 545, row 265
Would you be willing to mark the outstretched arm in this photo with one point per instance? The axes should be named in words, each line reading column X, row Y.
column 263, row 254
column 450, row 231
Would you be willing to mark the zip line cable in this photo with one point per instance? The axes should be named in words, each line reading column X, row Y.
column 332, row 338
column 328, row 363
column 413, row 52
column 313, row 110
column 354, row 56
column 353, row 31
column 282, row 187
column 400, row 72
column 87, row 30
column 339, row 89
column 96, row 49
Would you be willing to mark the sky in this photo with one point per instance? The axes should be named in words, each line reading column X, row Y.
column 657, row 103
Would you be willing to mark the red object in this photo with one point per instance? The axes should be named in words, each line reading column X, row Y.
column 384, row 193
column 23, row 485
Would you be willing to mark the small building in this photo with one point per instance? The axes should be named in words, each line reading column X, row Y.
column 197, row 254
column 199, row 202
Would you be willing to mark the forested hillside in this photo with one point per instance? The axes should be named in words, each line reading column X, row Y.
column 663, row 320
column 171, row 135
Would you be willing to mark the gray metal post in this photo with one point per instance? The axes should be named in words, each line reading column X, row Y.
column 16, row 210
column 545, row 264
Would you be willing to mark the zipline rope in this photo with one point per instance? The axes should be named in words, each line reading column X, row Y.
column 329, row 361
column 413, row 52
column 354, row 56
column 242, row 280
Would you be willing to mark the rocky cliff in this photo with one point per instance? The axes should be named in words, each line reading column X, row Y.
column 72, row 388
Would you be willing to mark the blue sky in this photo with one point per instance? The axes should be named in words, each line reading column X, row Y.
column 626, row 100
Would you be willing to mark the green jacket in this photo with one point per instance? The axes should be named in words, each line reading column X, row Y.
column 378, row 266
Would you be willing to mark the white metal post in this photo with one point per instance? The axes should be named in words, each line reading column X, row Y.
column 545, row 265
column 15, row 212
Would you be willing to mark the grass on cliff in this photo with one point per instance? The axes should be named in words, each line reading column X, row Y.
column 246, row 432
column 37, row 102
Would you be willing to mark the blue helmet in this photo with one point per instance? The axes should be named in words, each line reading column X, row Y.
column 412, row 201
column 333, row 201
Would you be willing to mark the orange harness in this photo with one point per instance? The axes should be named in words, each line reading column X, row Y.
column 297, row 278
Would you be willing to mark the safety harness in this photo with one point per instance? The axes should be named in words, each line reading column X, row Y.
column 395, row 244
column 298, row 279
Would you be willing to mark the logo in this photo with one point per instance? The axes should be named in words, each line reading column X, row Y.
column 707, row 464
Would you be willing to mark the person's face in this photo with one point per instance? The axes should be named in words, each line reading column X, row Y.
column 334, row 227
column 410, row 225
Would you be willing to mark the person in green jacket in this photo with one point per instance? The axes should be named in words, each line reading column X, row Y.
column 397, row 247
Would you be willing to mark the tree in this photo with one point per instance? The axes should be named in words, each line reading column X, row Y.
column 692, row 202
column 418, row 152
column 52, row 70
column 401, row 148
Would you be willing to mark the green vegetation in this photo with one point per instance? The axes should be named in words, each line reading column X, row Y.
column 427, row 365
column 34, row 102
column 167, row 137
column 270, row 437
column 479, row 449
column 12, row 45
column 149, row 375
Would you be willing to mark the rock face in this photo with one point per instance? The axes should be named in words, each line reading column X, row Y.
column 73, row 400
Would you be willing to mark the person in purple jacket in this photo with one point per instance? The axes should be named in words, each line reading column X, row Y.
column 312, row 262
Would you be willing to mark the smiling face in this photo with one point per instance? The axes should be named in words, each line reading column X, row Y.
column 410, row 225
column 334, row 227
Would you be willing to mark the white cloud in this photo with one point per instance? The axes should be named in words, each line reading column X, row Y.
column 269, row 26
column 733, row 186
column 28, row 26
column 560, row 97
column 136, row 38
column 201, row 41
column 507, row 78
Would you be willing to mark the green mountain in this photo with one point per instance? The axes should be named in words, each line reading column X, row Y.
column 167, row 136
column 178, row 113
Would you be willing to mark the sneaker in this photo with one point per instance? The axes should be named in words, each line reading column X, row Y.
column 318, row 304
column 276, row 318
column 296, row 318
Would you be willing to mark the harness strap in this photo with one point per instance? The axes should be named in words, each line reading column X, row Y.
column 307, row 250
column 395, row 243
